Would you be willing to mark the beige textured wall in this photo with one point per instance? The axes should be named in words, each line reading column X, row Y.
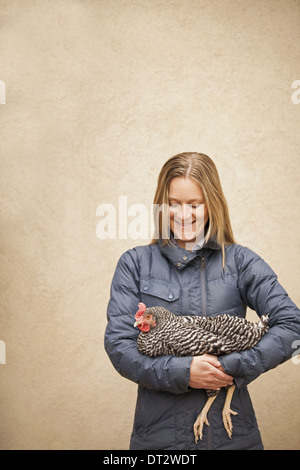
column 98, row 95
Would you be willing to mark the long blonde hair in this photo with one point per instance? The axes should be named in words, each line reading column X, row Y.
column 201, row 169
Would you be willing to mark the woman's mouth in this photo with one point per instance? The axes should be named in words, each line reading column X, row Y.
column 184, row 224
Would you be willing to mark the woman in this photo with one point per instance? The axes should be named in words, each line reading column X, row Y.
column 194, row 267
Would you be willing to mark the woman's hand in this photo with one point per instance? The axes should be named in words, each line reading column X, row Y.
column 207, row 372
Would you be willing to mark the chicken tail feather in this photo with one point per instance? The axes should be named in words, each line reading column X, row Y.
column 263, row 322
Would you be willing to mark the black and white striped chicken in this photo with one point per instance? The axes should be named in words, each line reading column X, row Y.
column 163, row 333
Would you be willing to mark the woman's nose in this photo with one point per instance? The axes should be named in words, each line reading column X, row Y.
column 185, row 211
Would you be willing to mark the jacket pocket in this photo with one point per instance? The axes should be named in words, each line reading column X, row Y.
column 247, row 407
column 141, row 411
column 156, row 293
column 154, row 421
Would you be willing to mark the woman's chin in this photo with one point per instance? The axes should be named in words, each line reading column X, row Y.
column 186, row 237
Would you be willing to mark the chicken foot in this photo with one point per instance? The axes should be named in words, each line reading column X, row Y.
column 202, row 419
column 227, row 412
column 226, row 415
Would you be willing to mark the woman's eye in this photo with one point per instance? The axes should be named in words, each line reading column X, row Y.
column 192, row 206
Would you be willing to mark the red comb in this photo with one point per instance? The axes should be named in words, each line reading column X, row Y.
column 142, row 308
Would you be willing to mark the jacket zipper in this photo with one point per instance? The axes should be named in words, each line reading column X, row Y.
column 204, row 313
column 203, row 287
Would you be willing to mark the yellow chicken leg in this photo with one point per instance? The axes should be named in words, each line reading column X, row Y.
column 227, row 412
column 202, row 419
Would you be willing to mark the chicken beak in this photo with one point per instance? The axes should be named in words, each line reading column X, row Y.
column 137, row 323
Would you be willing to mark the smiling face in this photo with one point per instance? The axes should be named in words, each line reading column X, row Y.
column 188, row 213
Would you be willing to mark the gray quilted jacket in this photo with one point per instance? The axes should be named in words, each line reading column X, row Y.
column 194, row 283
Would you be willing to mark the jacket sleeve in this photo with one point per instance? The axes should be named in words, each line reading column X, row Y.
column 262, row 292
column 166, row 373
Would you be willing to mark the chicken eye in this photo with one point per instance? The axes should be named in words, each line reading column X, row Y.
column 148, row 317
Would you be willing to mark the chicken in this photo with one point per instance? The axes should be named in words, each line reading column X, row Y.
column 163, row 333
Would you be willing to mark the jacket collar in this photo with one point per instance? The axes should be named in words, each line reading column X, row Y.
column 180, row 257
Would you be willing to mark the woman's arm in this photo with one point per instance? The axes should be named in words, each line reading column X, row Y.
column 262, row 292
column 167, row 373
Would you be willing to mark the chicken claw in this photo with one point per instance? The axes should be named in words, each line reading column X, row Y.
column 198, row 425
column 227, row 412
column 202, row 419
column 227, row 421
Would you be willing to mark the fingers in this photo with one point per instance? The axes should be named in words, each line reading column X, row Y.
column 213, row 360
column 222, row 376
column 205, row 372
column 218, row 377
